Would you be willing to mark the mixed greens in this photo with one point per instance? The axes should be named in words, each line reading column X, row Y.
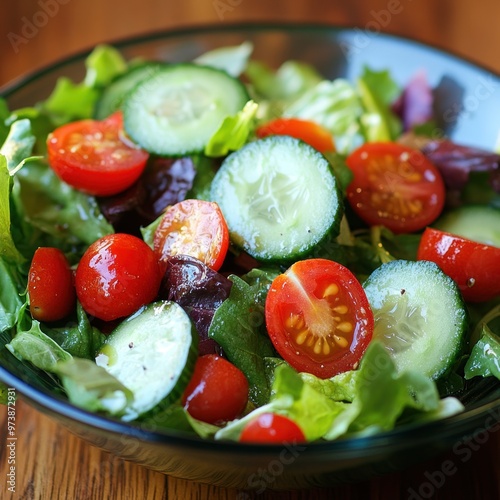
column 225, row 311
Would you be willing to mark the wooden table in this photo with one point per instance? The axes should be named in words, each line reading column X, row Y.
column 53, row 464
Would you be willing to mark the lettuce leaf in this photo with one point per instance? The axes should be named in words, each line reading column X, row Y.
column 238, row 327
column 11, row 287
column 336, row 106
column 91, row 387
column 290, row 80
column 38, row 348
column 371, row 399
column 231, row 59
column 484, row 360
column 71, row 218
column 103, row 65
column 233, row 132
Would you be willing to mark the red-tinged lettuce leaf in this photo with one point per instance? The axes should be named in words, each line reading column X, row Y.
column 415, row 104
column 456, row 162
column 199, row 290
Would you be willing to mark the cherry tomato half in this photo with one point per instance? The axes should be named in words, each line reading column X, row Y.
column 308, row 131
column 318, row 317
column 117, row 275
column 217, row 391
column 51, row 289
column 394, row 186
column 92, row 156
column 475, row 267
column 272, row 428
column 196, row 228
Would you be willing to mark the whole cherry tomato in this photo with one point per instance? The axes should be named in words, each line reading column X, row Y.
column 117, row 275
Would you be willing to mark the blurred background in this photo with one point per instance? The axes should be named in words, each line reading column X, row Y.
column 34, row 33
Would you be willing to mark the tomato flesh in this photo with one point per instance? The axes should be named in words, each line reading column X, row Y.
column 217, row 391
column 308, row 131
column 117, row 275
column 272, row 428
column 196, row 228
column 475, row 267
column 93, row 156
column 394, row 186
column 51, row 288
column 318, row 317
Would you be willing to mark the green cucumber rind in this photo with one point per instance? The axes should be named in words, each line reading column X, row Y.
column 152, row 131
column 243, row 227
column 430, row 290
column 480, row 223
column 134, row 346
column 114, row 94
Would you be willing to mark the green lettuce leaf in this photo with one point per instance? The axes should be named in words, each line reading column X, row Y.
column 69, row 216
column 378, row 91
column 8, row 249
column 177, row 418
column 38, row 348
column 80, row 339
column 484, row 360
column 103, row 65
column 233, row 132
column 238, row 327
column 11, row 287
column 4, row 114
column 18, row 145
column 232, row 59
column 91, row 387
column 290, row 80
column 70, row 101
column 336, row 106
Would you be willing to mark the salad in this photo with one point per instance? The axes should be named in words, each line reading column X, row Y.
column 247, row 253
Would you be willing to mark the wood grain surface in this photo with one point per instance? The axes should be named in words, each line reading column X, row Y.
column 51, row 463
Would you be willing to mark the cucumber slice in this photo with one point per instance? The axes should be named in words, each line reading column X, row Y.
column 279, row 197
column 419, row 315
column 480, row 223
column 114, row 94
column 152, row 353
column 178, row 109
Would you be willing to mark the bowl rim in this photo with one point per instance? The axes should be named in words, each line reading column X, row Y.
column 148, row 36
column 404, row 435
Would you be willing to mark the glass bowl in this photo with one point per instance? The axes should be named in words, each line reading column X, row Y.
column 468, row 112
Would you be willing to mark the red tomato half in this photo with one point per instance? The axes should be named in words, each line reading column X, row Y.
column 50, row 285
column 475, row 267
column 394, row 186
column 93, row 157
column 318, row 317
column 196, row 228
column 272, row 428
column 308, row 131
column 217, row 391
column 117, row 275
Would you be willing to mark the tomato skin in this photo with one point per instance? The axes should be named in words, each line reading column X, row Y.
column 308, row 131
column 475, row 267
column 93, row 157
column 51, row 288
column 196, row 228
column 394, row 186
column 318, row 317
column 117, row 275
column 272, row 428
column 217, row 391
